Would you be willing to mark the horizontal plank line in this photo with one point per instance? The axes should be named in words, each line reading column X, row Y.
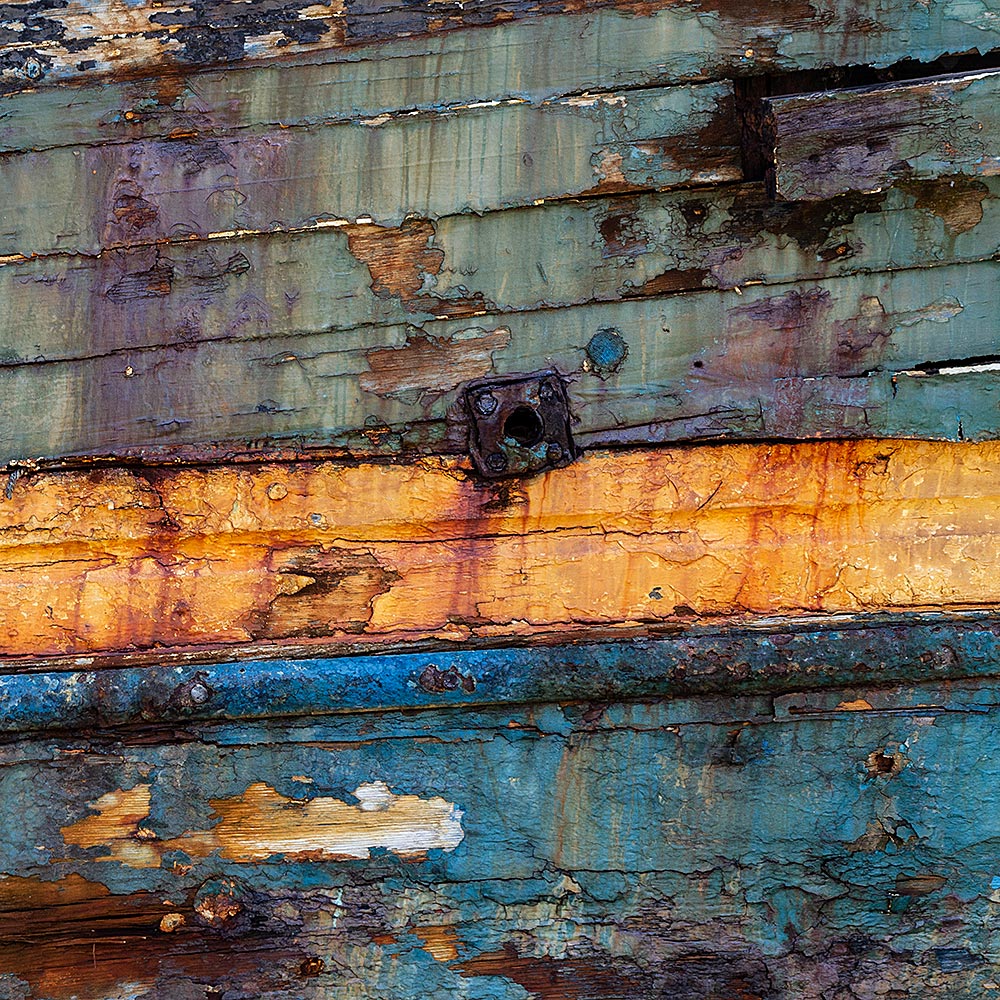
column 802, row 657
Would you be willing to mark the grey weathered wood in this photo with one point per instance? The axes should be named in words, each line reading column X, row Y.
column 637, row 43
column 809, row 360
column 553, row 255
column 867, row 139
column 88, row 198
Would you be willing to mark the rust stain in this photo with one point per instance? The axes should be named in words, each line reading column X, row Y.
column 671, row 281
column 601, row 976
column 403, row 263
column 622, row 232
column 363, row 553
column 885, row 764
column 919, row 885
column 72, row 938
column 261, row 823
column 428, row 366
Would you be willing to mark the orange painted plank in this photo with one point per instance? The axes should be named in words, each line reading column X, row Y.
column 124, row 559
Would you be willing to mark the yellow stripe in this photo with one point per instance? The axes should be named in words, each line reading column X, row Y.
column 119, row 560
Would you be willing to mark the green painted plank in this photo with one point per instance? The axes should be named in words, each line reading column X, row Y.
column 867, row 139
column 819, row 359
column 636, row 44
column 693, row 849
column 84, row 199
column 553, row 255
column 774, row 657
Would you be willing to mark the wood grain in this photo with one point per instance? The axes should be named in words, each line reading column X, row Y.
column 125, row 560
column 832, row 358
column 818, row 844
column 869, row 138
column 382, row 170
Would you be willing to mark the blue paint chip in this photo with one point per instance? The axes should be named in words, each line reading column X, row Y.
column 995, row 882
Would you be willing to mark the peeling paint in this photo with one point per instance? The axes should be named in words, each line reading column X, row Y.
column 261, row 823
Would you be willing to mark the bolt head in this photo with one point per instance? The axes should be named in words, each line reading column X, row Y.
column 547, row 392
column 497, row 462
column 554, row 452
column 485, row 403
column 199, row 693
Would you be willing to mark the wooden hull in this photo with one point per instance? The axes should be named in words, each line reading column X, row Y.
column 500, row 500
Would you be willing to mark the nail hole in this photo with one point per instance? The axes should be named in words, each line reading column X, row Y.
column 524, row 426
column 885, row 764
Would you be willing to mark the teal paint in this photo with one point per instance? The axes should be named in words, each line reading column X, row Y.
column 641, row 841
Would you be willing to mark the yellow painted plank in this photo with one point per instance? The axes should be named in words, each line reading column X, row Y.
column 122, row 559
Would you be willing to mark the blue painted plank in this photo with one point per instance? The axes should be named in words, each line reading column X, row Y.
column 870, row 649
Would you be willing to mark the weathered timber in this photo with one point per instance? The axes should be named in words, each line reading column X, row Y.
column 819, row 359
column 88, row 198
column 45, row 42
column 812, row 846
column 557, row 254
column 867, row 139
column 341, row 555
column 811, row 654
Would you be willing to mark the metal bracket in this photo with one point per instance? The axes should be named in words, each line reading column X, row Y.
column 520, row 424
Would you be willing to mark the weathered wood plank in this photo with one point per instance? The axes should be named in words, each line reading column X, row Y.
column 823, row 359
column 814, row 653
column 84, row 199
column 557, row 254
column 637, row 42
column 691, row 848
column 869, row 138
column 360, row 554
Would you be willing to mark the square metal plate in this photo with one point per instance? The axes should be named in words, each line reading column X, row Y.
column 520, row 424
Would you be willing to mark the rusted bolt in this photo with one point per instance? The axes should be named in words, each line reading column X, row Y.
column 219, row 902
column 171, row 922
column 885, row 763
column 435, row 680
column 192, row 693
column 497, row 462
column 547, row 392
column 311, row 966
column 606, row 352
column 277, row 491
column 486, row 403
column 554, row 453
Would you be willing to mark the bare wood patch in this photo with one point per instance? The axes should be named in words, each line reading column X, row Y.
column 262, row 823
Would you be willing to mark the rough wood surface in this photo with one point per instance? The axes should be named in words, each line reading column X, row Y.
column 868, row 139
column 552, row 255
column 507, row 47
column 382, row 170
column 832, row 358
column 817, row 845
column 125, row 559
